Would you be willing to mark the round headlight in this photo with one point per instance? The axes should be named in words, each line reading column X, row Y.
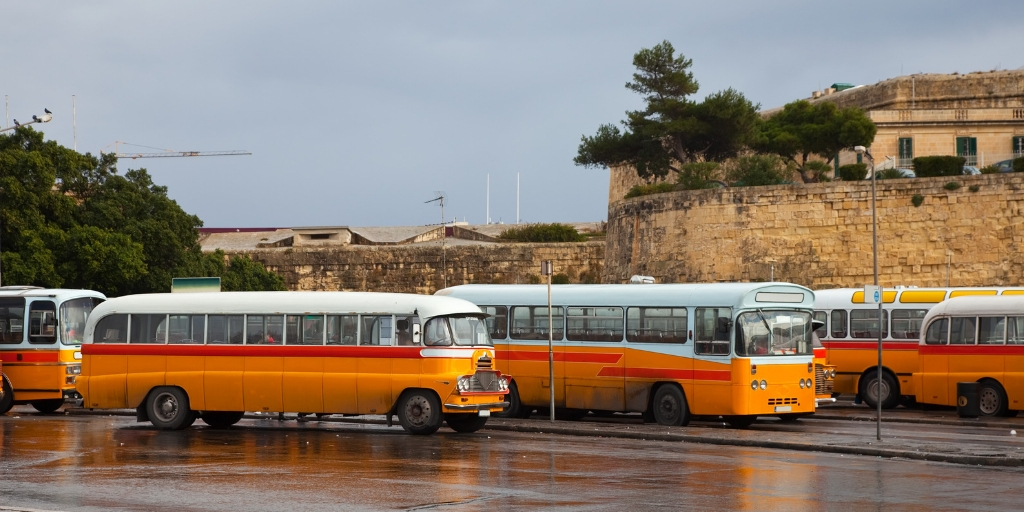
column 753, row 385
column 833, row 373
column 810, row 384
column 801, row 383
column 764, row 384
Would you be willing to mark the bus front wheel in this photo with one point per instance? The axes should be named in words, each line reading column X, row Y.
column 465, row 423
column 48, row 406
column 221, row 419
column 168, row 409
column 992, row 399
column 669, row 406
column 515, row 407
column 890, row 392
column 8, row 399
column 419, row 412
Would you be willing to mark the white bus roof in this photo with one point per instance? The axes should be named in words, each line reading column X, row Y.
column 979, row 305
column 907, row 298
column 665, row 295
column 426, row 306
column 60, row 294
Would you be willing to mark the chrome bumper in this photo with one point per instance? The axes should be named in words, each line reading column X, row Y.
column 476, row 407
column 822, row 401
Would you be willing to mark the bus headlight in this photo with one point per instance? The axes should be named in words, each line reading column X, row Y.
column 503, row 384
column 463, row 384
column 764, row 384
column 75, row 369
column 810, row 383
column 833, row 373
column 801, row 383
column 753, row 385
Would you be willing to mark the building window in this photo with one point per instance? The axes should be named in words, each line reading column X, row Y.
column 1018, row 146
column 967, row 147
column 906, row 149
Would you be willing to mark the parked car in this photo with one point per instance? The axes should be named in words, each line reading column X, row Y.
column 1004, row 165
column 971, row 170
column 888, row 174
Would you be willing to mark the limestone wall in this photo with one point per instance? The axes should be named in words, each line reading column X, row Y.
column 417, row 269
column 819, row 235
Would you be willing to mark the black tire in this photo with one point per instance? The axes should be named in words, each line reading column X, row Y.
column 465, row 423
column 740, row 421
column 221, row 419
column 890, row 390
column 515, row 406
column 669, row 406
column 48, row 406
column 991, row 399
column 419, row 412
column 168, row 409
column 8, row 399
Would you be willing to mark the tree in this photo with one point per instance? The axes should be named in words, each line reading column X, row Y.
column 672, row 129
column 803, row 129
column 240, row 274
column 68, row 219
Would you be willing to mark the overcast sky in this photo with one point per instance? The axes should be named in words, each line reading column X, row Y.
column 357, row 112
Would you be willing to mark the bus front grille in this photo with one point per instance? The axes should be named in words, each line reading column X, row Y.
column 782, row 401
column 822, row 386
column 485, row 381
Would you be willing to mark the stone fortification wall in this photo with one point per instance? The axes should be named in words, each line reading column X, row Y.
column 819, row 235
column 995, row 89
column 417, row 269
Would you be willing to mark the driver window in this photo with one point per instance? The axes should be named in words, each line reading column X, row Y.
column 436, row 333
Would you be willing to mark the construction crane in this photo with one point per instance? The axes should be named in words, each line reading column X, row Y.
column 168, row 153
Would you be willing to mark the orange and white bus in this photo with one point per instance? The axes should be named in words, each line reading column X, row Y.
column 40, row 334
column 850, row 337
column 736, row 350
column 181, row 356
column 974, row 339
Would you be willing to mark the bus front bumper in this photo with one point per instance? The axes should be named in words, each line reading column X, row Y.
column 476, row 407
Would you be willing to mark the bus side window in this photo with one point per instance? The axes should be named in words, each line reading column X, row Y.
column 1015, row 330
column 992, row 330
column 838, row 325
column 497, row 322
column 937, row 333
column 12, row 318
column 42, row 322
column 148, row 329
column 111, row 329
column 962, row 331
column 711, row 330
column 823, row 318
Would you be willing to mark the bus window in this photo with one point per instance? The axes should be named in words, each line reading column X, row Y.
column 1015, row 330
column 112, row 329
column 341, row 329
column 992, row 330
column 497, row 323
column 42, row 322
column 906, row 323
column 436, row 333
column 264, row 329
column 73, row 315
column 938, row 332
column 864, row 323
column 469, row 331
column 531, row 323
column 148, row 329
column 767, row 332
column 376, row 330
column 186, row 329
column 226, row 329
column 304, row 330
column 838, row 325
column 822, row 317
column 594, row 324
column 12, row 314
column 711, row 330
column 961, row 331
column 656, row 325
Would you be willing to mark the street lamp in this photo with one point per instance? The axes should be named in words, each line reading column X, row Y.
column 861, row 150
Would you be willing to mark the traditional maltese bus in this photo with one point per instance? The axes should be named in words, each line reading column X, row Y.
column 181, row 356
column 850, row 336
column 974, row 339
column 41, row 332
column 669, row 351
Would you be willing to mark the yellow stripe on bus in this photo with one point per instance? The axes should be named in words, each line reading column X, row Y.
column 923, row 297
column 961, row 293
column 887, row 296
column 1013, row 292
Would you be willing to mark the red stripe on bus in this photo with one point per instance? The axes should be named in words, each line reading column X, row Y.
column 820, row 352
column 572, row 357
column 47, row 356
column 972, row 350
column 872, row 344
column 251, row 351
column 665, row 373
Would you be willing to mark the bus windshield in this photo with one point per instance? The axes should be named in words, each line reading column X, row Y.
column 465, row 331
column 774, row 333
column 73, row 314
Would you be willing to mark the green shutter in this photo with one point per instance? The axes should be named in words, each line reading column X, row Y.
column 906, row 151
column 966, row 146
column 1018, row 145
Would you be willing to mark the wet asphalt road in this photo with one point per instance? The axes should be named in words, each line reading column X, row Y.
column 87, row 462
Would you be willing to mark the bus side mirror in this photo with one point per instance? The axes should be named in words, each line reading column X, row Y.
column 415, row 334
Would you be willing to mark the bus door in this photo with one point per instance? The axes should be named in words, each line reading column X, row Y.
column 528, row 354
column 712, row 368
column 658, row 349
column 594, row 359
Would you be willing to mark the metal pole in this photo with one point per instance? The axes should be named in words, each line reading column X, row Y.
column 551, row 351
column 74, row 122
column 517, row 198
column 881, row 298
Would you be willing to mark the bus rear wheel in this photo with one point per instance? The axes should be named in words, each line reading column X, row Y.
column 669, row 406
column 419, row 412
column 221, row 419
column 890, row 392
column 168, row 409
column 992, row 399
column 7, row 401
column 465, row 423
column 48, row 406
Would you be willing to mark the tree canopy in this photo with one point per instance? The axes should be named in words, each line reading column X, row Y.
column 70, row 220
column 673, row 129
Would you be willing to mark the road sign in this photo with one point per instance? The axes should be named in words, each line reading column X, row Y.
column 872, row 294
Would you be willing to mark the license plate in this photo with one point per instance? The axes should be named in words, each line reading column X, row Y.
column 484, row 413
column 783, row 408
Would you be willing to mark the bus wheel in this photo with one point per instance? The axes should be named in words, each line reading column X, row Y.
column 992, row 399
column 465, row 423
column 740, row 421
column 890, row 395
column 168, row 409
column 515, row 406
column 48, row 406
column 419, row 412
column 669, row 406
column 8, row 399
column 221, row 419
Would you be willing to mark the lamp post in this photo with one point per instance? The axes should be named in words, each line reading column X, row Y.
column 45, row 118
column 861, row 150
column 546, row 269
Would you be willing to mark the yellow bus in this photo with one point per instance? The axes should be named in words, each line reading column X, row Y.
column 669, row 351
column 850, row 336
column 40, row 336
column 974, row 339
column 181, row 356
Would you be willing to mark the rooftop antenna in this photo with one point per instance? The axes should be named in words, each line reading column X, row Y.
column 74, row 122
column 517, row 198
column 444, row 262
column 487, row 217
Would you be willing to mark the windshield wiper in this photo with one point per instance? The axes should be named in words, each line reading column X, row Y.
column 771, row 339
